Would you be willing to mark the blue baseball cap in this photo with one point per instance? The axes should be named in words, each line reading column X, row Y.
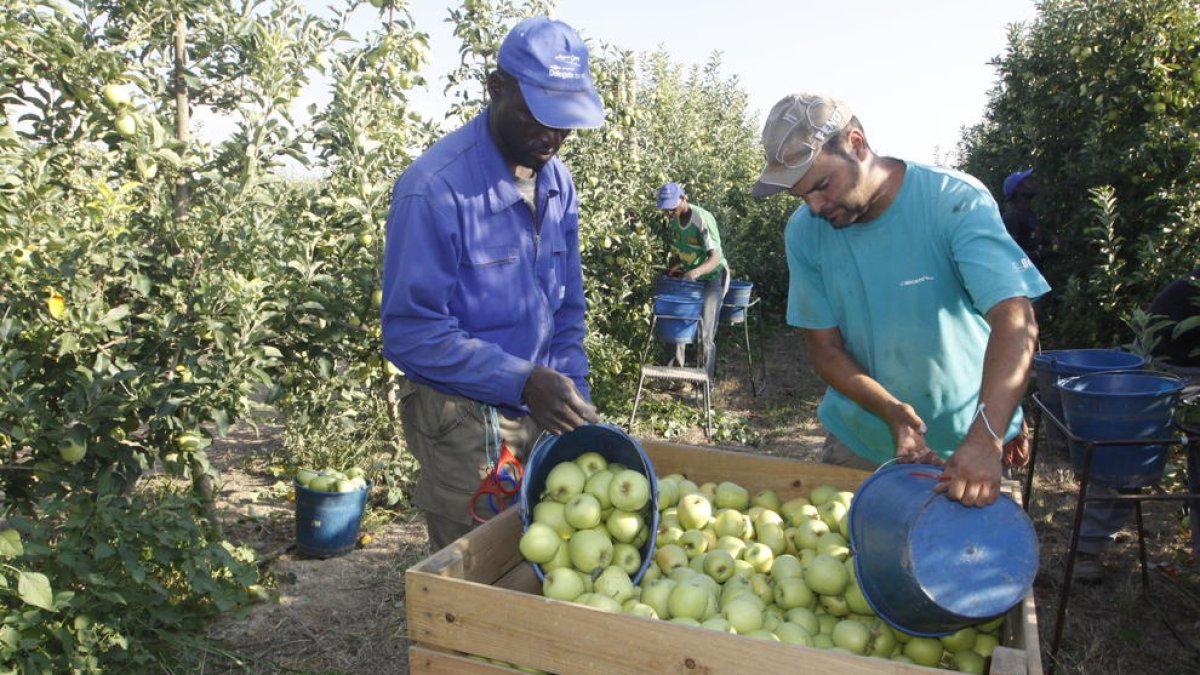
column 1014, row 181
column 668, row 195
column 550, row 62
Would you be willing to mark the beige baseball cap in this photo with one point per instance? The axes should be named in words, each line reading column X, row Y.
column 797, row 127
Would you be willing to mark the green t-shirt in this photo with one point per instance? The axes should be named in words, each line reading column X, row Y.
column 694, row 239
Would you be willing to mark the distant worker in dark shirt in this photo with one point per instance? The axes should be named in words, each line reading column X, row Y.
column 1022, row 224
column 1178, row 343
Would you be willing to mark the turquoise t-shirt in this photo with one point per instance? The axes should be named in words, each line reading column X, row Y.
column 909, row 292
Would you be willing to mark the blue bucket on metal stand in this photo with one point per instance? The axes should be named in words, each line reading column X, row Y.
column 327, row 522
column 682, row 329
column 737, row 299
column 1051, row 366
column 1121, row 406
column 930, row 566
column 615, row 446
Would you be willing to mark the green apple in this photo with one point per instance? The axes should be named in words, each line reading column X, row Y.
column 637, row 608
column 344, row 485
column 322, row 483
column 591, row 462
column 851, row 636
column 833, row 544
column 657, row 594
column 597, row 486
column 826, row 622
column 804, row 617
column 787, row 566
column 73, row 446
column 834, row 605
column 126, row 125
column 717, row 623
column 985, row 644
column 792, row 592
column 561, row 559
column 760, row 556
column 687, row 487
column 669, row 535
column 552, row 513
column 771, row 534
column 627, row 557
column 689, row 599
column 629, row 490
column 624, row 525
column 743, row 569
column 305, row 476
column 718, row 564
column 670, row 556
column 564, row 481
column 991, row 625
column 761, row 586
column 959, row 640
column 590, row 550
column 883, row 638
column 563, row 583
column 709, row 490
column 116, row 96
column 728, row 522
column 832, row 513
column 826, row 575
column 355, row 472
column 693, row 543
column 766, row 516
column 668, row 493
column 615, row 583
column 793, row 510
column 583, row 511
column 730, row 495
column 744, row 613
column 808, row 532
column 924, row 651
column 967, row 661
column 733, row 544
column 768, row 499
column 539, row 543
column 793, row 634
column 695, row 511
column 821, row 494
column 601, row 601
column 856, row 600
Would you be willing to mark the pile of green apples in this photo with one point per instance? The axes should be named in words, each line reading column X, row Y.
column 732, row 561
column 332, row 480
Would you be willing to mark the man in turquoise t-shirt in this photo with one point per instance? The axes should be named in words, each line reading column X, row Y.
column 696, row 255
column 913, row 299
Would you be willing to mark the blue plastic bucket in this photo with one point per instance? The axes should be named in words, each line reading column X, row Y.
column 737, row 299
column 1121, row 406
column 665, row 285
column 677, row 330
column 1052, row 366
column 615, row 446
column 930, row 566
column 327, row 522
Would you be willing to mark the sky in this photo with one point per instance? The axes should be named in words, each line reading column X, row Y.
column 914, row 72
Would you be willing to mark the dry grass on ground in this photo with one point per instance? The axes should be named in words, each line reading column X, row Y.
column 346, row 614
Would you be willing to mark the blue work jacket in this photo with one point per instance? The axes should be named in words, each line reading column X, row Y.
column 474, row 295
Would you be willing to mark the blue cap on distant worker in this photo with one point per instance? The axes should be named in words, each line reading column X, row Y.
column 669, row 195
column 550, row 62
column 1014, row 181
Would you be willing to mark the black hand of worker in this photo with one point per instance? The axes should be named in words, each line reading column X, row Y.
column 555, row 403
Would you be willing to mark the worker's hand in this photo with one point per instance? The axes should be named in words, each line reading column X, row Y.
column 909, row 430
column 675, row 271
column 690, row 275
column 973, row 472
column 555, row 403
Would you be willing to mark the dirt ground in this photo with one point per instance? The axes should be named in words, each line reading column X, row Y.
column 347, row 614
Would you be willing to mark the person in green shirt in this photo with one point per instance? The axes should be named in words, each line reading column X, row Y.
column 696, row 255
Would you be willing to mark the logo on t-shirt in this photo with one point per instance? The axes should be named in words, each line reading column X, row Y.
column 918, row 280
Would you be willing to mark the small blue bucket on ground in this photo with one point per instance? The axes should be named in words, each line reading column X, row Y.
column 682, row 329
column 1121, row 406
column 615, row 446
column 1051, row 366
column 930, row 566
column 327, row 522
column 667, row 285
column 737, row 299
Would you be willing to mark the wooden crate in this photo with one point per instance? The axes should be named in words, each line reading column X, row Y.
column 477, row 596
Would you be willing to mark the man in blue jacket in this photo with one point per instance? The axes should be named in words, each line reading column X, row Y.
column 483, row 306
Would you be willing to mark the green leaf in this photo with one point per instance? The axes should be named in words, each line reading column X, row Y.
column 10, row 544
column 34, row 588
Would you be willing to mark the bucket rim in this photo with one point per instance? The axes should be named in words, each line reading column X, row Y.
column 1067, row 384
